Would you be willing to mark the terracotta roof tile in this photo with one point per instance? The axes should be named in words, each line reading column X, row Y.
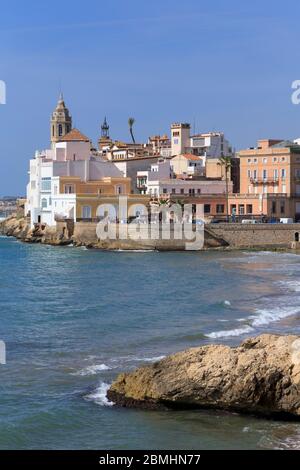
column 190, row 156
column 74, row 136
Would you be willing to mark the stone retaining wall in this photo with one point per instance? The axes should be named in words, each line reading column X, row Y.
column 257, row 236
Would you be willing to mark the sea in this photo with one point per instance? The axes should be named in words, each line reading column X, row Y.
column 72, row 319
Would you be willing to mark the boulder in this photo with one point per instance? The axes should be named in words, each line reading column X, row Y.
column 261, row 377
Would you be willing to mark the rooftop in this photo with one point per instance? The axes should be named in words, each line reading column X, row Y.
column 74, row 136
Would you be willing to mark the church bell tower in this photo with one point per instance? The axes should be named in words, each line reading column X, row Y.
column 61, row 121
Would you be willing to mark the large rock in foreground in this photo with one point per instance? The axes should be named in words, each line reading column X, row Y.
column 261, row 376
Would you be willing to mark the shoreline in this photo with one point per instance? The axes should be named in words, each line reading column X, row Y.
column 84, row 235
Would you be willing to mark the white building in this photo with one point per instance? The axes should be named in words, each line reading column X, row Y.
column 69, row 157
column 159, row 170
column 210, row 144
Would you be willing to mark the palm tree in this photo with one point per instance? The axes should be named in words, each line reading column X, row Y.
column 226, row 163
column 131, row 121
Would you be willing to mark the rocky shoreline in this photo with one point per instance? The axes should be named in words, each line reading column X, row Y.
column 19, row 228
column 259, row 377
column 84, row 234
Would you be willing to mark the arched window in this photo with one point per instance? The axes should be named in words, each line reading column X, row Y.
column 296, row 236
column 60, row 130
column 120, row 189
column 44, row 203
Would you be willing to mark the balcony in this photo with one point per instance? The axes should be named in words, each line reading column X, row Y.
column 268, row 180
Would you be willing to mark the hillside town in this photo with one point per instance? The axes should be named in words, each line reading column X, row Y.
column 73, row 179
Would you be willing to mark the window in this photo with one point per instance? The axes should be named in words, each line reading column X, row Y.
column 86, row 212
column 241, row 209
column 283, row 173
column 275, row 174
column 182, row 191
column 249, row 173
column 69, row 189
column 283, row 159
column 282, row 207
column 265, row 174
column 199, row 191
column 173, row 190
column 220, row 208
column 284, row 188
column 255, row 160
column 60, row 130
column 249, row 209
column 50, row 201
column 191, row 192
column 274, row 159
column 46, row 184
column 44, row 203
column 265, row 189
column 165, row 191
column 176, row 134
column 249, row 160
column 206, row 208
column 55, row 190
column 297, row 172
column 273, row 207
column 265, row 160
column 255, row 174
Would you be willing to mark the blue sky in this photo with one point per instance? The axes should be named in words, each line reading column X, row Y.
column 227, row 65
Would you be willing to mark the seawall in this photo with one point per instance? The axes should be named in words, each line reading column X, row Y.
column 269, row 236
column 216, row 236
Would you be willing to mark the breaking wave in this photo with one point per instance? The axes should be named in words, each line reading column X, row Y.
column 98, row 396
column 227, row 333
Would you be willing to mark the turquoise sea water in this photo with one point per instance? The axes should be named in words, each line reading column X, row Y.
column 73, row 318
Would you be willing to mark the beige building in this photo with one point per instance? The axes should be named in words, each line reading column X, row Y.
column 180, row 137
column 61, row 121
column 270, row 176
column 188, row 165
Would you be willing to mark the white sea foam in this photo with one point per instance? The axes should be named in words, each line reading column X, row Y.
column 227, row 302
column 261, row 318
column 266, row 316
column 291, row 285
column 92, row 370
column 228, row 333
column 98, row 396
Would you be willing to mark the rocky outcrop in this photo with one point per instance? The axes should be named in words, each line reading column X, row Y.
column 261, row 376
column 41, row 233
